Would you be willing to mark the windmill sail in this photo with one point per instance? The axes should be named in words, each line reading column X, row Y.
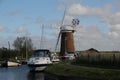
column 62, row 23
column 57, row 41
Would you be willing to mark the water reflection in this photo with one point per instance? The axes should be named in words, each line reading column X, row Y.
column 35, row 76
column 20, row 73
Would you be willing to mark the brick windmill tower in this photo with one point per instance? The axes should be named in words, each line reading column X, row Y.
column 67, row 38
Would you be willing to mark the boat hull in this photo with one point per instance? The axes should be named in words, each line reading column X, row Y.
column 37, row 67
column 10, row 64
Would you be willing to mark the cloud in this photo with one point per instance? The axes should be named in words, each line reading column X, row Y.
column 68, row 20
column 116, row 4
column 69, row 2
column 92, row 37
column 27, row 18
column 2, row 28
column 88, row 32
column 78, row 9
column 55, row 26
column 21, row 30
column 113, row 22
column 113, row 34
column 115, row 27
column 113, row 19
column 61, row 7
column 114, row 31
column 40, row 20
column 15, row 12
column 66, row 3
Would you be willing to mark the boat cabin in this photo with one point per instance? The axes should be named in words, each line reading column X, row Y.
column 41, row 53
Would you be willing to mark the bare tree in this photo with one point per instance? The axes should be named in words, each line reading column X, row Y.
column 23, row 44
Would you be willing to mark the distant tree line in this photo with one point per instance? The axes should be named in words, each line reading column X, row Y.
column 22, row 47
column 6, row 54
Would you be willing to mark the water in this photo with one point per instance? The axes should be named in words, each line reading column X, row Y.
column 23, row 73
column 20, row 73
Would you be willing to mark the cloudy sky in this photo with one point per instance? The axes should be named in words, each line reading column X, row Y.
column 99, row 26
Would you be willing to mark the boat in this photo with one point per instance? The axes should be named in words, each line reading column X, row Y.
column 39, row 60
column 55, row 58
column 10, row 64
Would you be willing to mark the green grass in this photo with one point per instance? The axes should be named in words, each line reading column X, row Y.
column 83, row 72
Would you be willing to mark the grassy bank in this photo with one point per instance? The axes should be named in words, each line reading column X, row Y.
column 83, row 72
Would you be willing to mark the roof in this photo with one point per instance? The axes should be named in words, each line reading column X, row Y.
column 92, row 50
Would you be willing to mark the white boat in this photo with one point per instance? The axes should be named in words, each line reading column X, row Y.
column 12, row 64
column 55, row 59
column 39, row 60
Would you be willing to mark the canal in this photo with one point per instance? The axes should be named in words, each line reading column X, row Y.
column 20, row 73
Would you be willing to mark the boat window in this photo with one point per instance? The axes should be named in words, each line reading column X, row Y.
column 41, row 54
column 46, row 54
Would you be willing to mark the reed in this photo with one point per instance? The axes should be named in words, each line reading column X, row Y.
column 100, row 59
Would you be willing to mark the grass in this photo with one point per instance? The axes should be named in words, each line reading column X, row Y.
column 95, row 66
column 67, row 70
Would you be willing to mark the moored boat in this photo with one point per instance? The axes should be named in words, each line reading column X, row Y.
column 39, row 60
column 55, row 59
column 10, row 64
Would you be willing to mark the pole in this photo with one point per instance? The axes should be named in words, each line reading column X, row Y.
column 26, row 47
column 8, row 45
column 41, row 41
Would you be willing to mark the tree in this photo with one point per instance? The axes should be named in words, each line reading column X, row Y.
column 23, row 44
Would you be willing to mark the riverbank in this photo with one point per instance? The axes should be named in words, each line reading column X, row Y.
column 83, row 72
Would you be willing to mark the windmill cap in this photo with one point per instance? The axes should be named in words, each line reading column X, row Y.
column 68, row 28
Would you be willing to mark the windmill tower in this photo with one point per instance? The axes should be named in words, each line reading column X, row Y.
column 67, row 38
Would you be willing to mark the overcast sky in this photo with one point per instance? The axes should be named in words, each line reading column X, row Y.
column 99, row 26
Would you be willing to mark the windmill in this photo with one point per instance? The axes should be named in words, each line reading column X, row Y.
column 67, row 38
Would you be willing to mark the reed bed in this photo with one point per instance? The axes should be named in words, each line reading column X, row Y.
column 102, row 59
